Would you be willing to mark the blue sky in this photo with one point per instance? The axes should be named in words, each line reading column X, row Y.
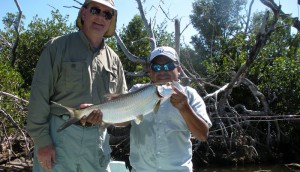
column 126, row 10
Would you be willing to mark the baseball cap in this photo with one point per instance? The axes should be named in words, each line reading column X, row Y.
column 109, row 3
column 164, row 51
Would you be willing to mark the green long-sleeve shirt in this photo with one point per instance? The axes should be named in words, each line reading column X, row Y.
column 70, row 72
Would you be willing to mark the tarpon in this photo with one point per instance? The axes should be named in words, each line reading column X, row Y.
column 126, row 107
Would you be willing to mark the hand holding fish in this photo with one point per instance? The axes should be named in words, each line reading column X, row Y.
column 179, row 99
column 94, row 118
column 126, row 107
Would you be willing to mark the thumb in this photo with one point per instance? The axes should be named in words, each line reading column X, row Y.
column 85, row 105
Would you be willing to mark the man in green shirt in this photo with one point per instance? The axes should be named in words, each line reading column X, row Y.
column 75, row 70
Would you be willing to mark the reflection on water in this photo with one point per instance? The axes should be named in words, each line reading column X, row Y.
column 257, row 168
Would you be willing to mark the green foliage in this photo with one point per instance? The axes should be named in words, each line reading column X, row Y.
column 16, row 79
column 32, row 41
column 136, row 39
column 9, row 34
column 223, row 48
column 9, row 22
column 220, row 44
column 279, row 79
column 11, row 82
column 277, row 71
column 232, row 56
column 39, row 31
column 215, row 21
column 163, row 38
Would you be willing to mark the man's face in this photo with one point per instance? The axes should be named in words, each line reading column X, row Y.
column 163, row 63
column 95, row 22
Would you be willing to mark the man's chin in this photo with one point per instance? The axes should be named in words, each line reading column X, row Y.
column 163, row 80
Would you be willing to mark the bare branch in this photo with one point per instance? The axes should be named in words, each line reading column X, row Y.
column 17, row 29
column 4, row 42
column 148, row 26
column 130, row 56
column 253, row 88
column 74, row 6
column 248, row 18
column 13, row 96
column 277, row 10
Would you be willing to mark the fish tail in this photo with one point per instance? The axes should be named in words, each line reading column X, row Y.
column 72, row 118
column 67, row 124
column 69, row 109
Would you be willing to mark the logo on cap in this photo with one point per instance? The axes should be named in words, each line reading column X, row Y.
column 161, row 50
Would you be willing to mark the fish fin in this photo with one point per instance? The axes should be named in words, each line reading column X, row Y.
column 138, row 119
column 69, row 109
column 156, row 107
column 67, row 124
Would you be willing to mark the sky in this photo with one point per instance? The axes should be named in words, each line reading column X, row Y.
column 180, row 9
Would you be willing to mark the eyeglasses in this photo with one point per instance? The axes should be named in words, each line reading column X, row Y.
column 166, row 67
column 96, row 11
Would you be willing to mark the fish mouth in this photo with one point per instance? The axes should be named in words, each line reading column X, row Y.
column 165, row 90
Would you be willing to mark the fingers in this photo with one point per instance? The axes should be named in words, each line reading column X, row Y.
column 178, row 95
column 46, row 165
column 176, row 90
column 178, row 99
column 85, row 105
column 83, row 120
column 94, row 118
column 46, row 157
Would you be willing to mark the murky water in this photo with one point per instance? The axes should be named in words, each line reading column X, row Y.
column 258, row 168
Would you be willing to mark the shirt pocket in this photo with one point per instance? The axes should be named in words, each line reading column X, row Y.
column 113, row 78
column 173, row 120
column 73, row 74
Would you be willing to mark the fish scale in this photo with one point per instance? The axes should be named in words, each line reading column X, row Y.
column 137, row 104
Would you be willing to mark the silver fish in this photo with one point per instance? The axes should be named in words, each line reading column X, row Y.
column 126, row 107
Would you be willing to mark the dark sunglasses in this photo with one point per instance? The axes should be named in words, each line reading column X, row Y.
column 166, row 67
column 96, row 11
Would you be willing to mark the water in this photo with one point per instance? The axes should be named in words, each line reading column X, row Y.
column 257, row 168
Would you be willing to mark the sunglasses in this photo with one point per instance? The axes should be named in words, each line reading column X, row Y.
column 96, row 11
column 166, row 67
